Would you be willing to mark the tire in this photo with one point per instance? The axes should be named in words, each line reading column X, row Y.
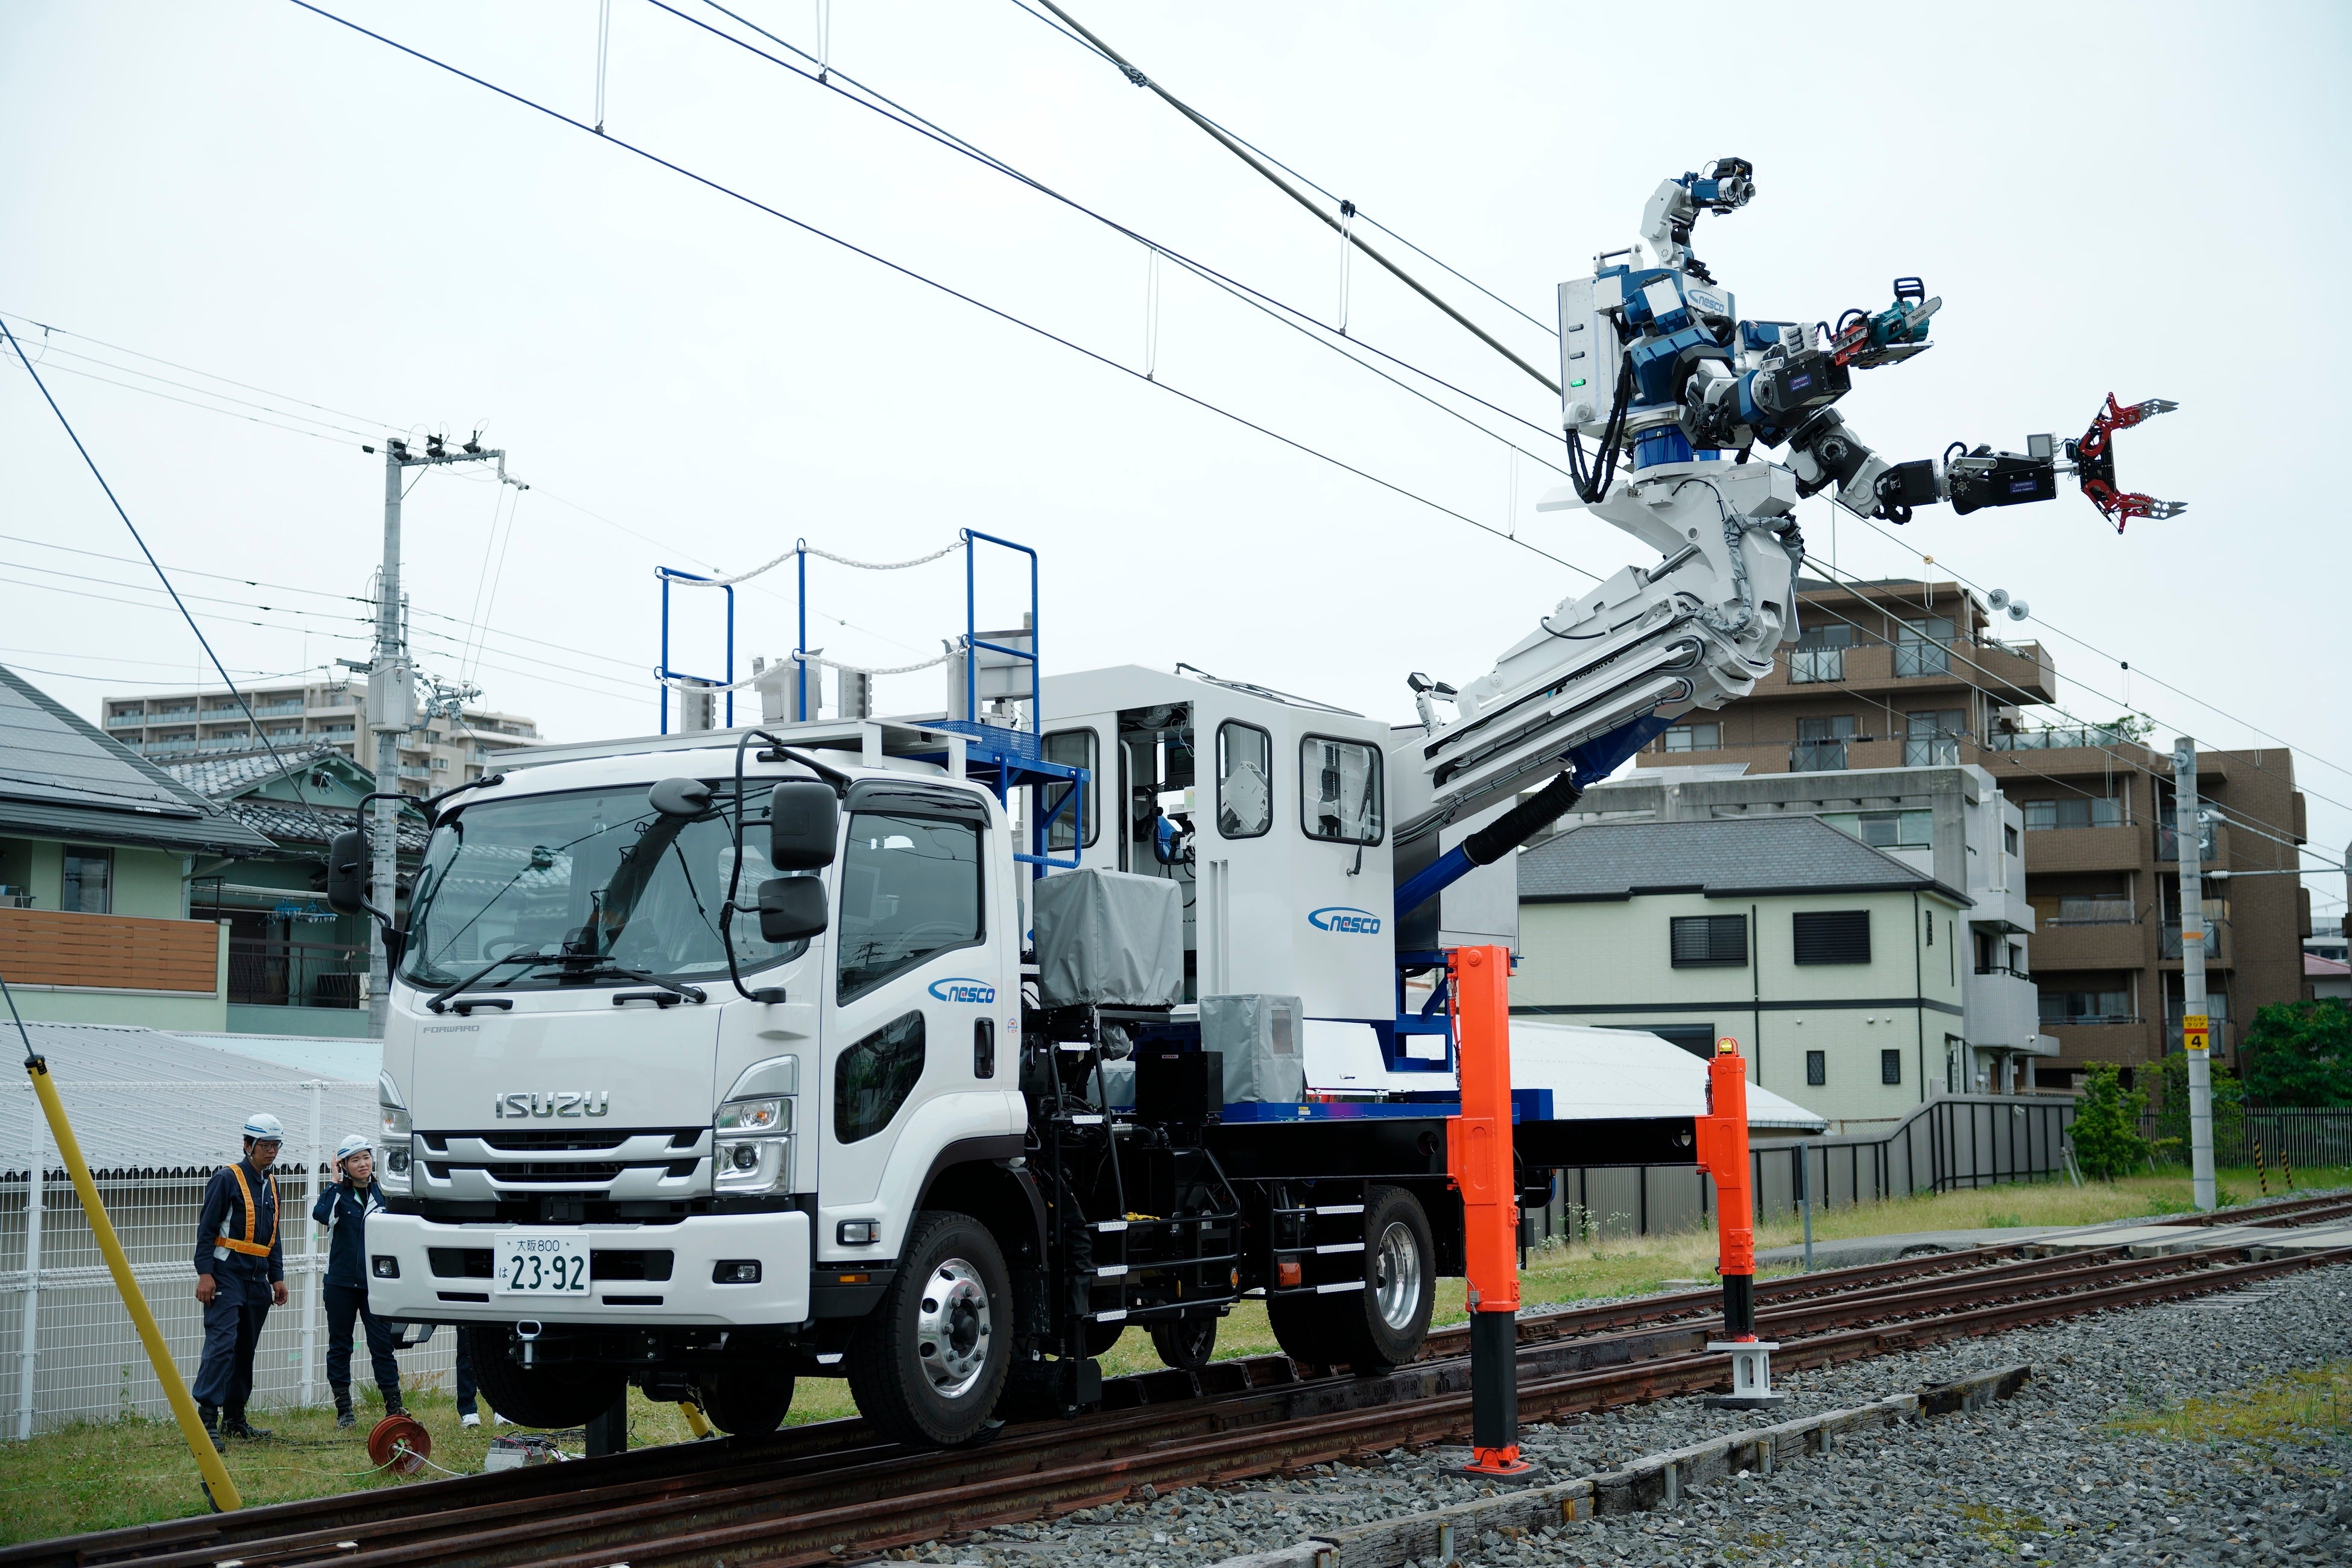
column 1101, row 1337
column 549, row 1397
column 926, row 1365
column 1384, row 1324
column 746, row 1401
column 1301, row 1327
column 1187, row 1342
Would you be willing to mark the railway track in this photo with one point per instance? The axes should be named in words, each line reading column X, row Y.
column 806, row 1494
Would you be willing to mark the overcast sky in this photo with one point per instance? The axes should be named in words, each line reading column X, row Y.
column 2144, row 199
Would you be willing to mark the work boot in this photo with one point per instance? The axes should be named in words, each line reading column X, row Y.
column 235, row 1425
column 392, row 1404
column 210, row 1415
column 343, row 1416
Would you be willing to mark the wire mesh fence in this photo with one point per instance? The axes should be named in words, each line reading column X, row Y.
column 67, row 1342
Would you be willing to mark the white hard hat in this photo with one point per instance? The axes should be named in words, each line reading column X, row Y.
column 263, row 1128
column 353, row 1143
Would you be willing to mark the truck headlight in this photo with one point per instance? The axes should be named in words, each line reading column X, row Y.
column 774, row 1115
column 763, row 1164
column 395, row 1142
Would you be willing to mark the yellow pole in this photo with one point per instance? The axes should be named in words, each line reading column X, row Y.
column 694, row 1421
column 218, row 1488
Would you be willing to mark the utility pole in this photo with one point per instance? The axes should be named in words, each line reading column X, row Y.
column 2196, row 1034
column 392, row 693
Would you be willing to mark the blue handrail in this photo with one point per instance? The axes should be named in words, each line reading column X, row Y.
column 663, row 673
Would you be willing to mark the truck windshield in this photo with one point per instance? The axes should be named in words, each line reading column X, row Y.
column 597, row 882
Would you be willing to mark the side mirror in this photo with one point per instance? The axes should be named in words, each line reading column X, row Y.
column 679, row 797
column 347, row 873
column 804, row 816
column 792, row 908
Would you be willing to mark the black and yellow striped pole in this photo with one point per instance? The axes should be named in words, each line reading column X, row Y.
column 218, row 1488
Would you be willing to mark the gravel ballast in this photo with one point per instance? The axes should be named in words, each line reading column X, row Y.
column 2039, row 1478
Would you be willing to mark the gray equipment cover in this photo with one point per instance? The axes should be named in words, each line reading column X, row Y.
column 1110, row 939
column 1260, row 1038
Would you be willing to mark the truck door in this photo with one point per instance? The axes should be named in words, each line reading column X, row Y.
column 915, row 970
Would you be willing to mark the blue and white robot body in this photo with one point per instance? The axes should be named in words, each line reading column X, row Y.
column 1658, row 367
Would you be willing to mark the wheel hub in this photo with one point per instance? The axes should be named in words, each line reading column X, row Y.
column 1397, row 1275
column 952, row 1329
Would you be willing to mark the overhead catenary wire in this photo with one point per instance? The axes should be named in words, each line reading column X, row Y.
column 218, row 668
column 2125, row 665
column 1234, row 145
column 2252, row 825
column 1323, row 334
column 948, row 289
column 281, row 397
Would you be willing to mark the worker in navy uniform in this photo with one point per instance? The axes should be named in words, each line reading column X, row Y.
column 240, row 1275
column 343, row 1209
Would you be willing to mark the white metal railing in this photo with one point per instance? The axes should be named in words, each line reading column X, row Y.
column 78, row 1355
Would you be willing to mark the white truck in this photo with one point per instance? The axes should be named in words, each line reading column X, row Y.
column 939, row 1127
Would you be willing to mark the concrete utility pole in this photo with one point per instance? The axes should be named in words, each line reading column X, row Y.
column 2196, row 1034
column 392, row 694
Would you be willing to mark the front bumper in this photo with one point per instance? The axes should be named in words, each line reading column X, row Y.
column 780, row 1241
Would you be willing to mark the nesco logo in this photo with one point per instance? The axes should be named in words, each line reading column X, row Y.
column 1339, row 917
column 961, row 989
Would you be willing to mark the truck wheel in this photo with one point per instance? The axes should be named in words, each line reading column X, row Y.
column 1384, row 1324
column 1102, row 1337
column 1186, row 1341
column 553, row 1396
column 1301, row 1327
column 928, row 1364
column 746, row 1402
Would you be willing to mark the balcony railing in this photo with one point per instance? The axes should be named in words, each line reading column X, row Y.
column 1931, row 751
column 2095, row 912
column 266, row 973
column 2084, row 1020
column 1811, row 664
column 125, row 720
column 2168, row 944
column 1817, row 757
column 2168, row 841
column 283, row 705
column 2061, row 739
column 1914, row 659
column 108, row 953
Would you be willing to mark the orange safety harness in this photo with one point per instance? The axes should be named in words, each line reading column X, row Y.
column 249, row 1247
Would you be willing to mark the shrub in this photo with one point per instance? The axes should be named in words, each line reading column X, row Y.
column 2107, row 1125
column 2300, row 1053
column 2172, row 1111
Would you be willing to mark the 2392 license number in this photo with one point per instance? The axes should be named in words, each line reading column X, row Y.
column 542, row 1265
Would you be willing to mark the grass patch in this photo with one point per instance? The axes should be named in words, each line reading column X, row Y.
column 101, row 1475
column 2298, row 1407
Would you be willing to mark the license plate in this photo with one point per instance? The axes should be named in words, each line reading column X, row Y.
column 542, row 1265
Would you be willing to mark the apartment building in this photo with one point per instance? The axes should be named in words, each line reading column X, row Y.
column 1909, row 673
column 1950, row 824
column 435, row 754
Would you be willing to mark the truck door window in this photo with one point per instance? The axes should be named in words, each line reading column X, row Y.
column 910, row 887
column 1244, row 780
column 1072, row 747
column 875, row 1077
column 1339, row 789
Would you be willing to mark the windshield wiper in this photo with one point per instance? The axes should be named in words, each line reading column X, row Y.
column 439, row 1001
column 606, row 966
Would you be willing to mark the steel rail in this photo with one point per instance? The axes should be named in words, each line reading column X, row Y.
column 790, row 1496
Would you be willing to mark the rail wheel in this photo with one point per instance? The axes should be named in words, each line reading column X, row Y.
column 1102, row 1337
column 928, row 1364
column 551, row 1395
column 1383, row 1325
column 746, row 1402
column 1186, row 1341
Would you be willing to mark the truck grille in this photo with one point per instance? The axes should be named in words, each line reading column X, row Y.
column 619, row 1166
